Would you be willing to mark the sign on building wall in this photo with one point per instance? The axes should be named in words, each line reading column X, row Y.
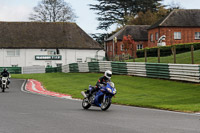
column 48, row 57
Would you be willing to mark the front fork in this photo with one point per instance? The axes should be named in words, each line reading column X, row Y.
column 104, row 98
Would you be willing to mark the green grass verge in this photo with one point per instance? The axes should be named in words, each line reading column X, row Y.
column 184, row 58
column 135, row 91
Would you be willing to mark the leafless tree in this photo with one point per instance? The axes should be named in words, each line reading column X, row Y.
column 53, row 11
column 175, row 5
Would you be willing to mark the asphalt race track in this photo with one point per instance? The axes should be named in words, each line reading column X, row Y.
column 22, row 112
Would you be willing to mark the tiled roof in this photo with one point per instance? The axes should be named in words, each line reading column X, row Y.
column 138, row 33
column 180, row 18
column 44, row 35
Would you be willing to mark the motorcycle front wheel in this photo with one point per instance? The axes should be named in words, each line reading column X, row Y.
column 86, row 104
column 3, row 88
column 106, row 104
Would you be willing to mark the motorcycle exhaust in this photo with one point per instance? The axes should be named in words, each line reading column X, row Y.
column 83, row 93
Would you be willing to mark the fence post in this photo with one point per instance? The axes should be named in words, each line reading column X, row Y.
column 133, row 56
column 158, row 55
column 145, row 55
column 174, row 53
column 192, row 53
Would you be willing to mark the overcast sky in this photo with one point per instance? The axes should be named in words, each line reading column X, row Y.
column 19, row 10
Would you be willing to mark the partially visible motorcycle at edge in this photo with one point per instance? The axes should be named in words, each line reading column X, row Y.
column 4, row 82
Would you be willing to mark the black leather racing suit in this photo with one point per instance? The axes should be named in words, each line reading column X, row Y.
column 102, row 81
column 5, row 74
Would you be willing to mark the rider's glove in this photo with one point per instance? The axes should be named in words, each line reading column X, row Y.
column 101, row 85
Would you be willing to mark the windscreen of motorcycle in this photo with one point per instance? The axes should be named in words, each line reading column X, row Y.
column 112, row 84
column 4, row 78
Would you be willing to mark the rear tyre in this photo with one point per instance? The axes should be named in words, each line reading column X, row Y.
column 105, row 105
column 86, row 104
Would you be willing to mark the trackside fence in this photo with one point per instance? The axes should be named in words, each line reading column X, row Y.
column 105, row 65
column 83, row 67
column 136, row 69
column 65, row 69
column 119, row 68
column 182, row 72
column 93, row 66
column 33, row 69
column 53, row 69
column 73, row 67
column 12, row 70
column 154, row 70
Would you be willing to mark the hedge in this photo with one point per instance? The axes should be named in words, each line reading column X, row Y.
column 166, row 50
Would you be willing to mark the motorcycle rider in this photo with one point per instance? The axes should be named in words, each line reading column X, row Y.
column 5, row 73
column 102, row 81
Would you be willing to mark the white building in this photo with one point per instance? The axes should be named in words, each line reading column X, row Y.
column 50, row 44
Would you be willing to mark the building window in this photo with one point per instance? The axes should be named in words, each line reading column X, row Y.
column 43, row 49
column 177, row 35
column 13, row 52
column 15, row 65
column 59, row 65
column 151, row 38
column 156, row 35
column 139, row 46
column 51, row 52
column 79, row 60
column 122, row 47
column 197, row 35
column 110, row 48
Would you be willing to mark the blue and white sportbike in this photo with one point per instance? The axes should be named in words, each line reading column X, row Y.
column 101, row 98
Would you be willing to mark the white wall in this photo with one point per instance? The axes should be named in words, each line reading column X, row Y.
column 27, row 57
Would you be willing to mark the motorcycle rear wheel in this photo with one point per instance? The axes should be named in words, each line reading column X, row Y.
column 86, row 104
column 105, row 105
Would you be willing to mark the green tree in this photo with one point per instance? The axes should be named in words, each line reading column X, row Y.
column 147, row 18
column 117, row 11
column 101, row 37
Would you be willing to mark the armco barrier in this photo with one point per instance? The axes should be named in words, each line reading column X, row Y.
column 185, row 72
column 119, row 68
column 53, row 69
column 83, row 67
column 65, row 69
column 155, row 70
column 12, row 70
column 73, row 67
column 33, row 69
column 136, row 68
column 104, row 65
column 182, row 72
column 93, row 66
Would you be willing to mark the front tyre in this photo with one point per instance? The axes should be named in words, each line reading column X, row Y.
column 3, row 88
column 86, row 104
column 106, row 104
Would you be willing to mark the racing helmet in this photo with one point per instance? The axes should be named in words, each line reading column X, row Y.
column 108, row 74
column 5, row 70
